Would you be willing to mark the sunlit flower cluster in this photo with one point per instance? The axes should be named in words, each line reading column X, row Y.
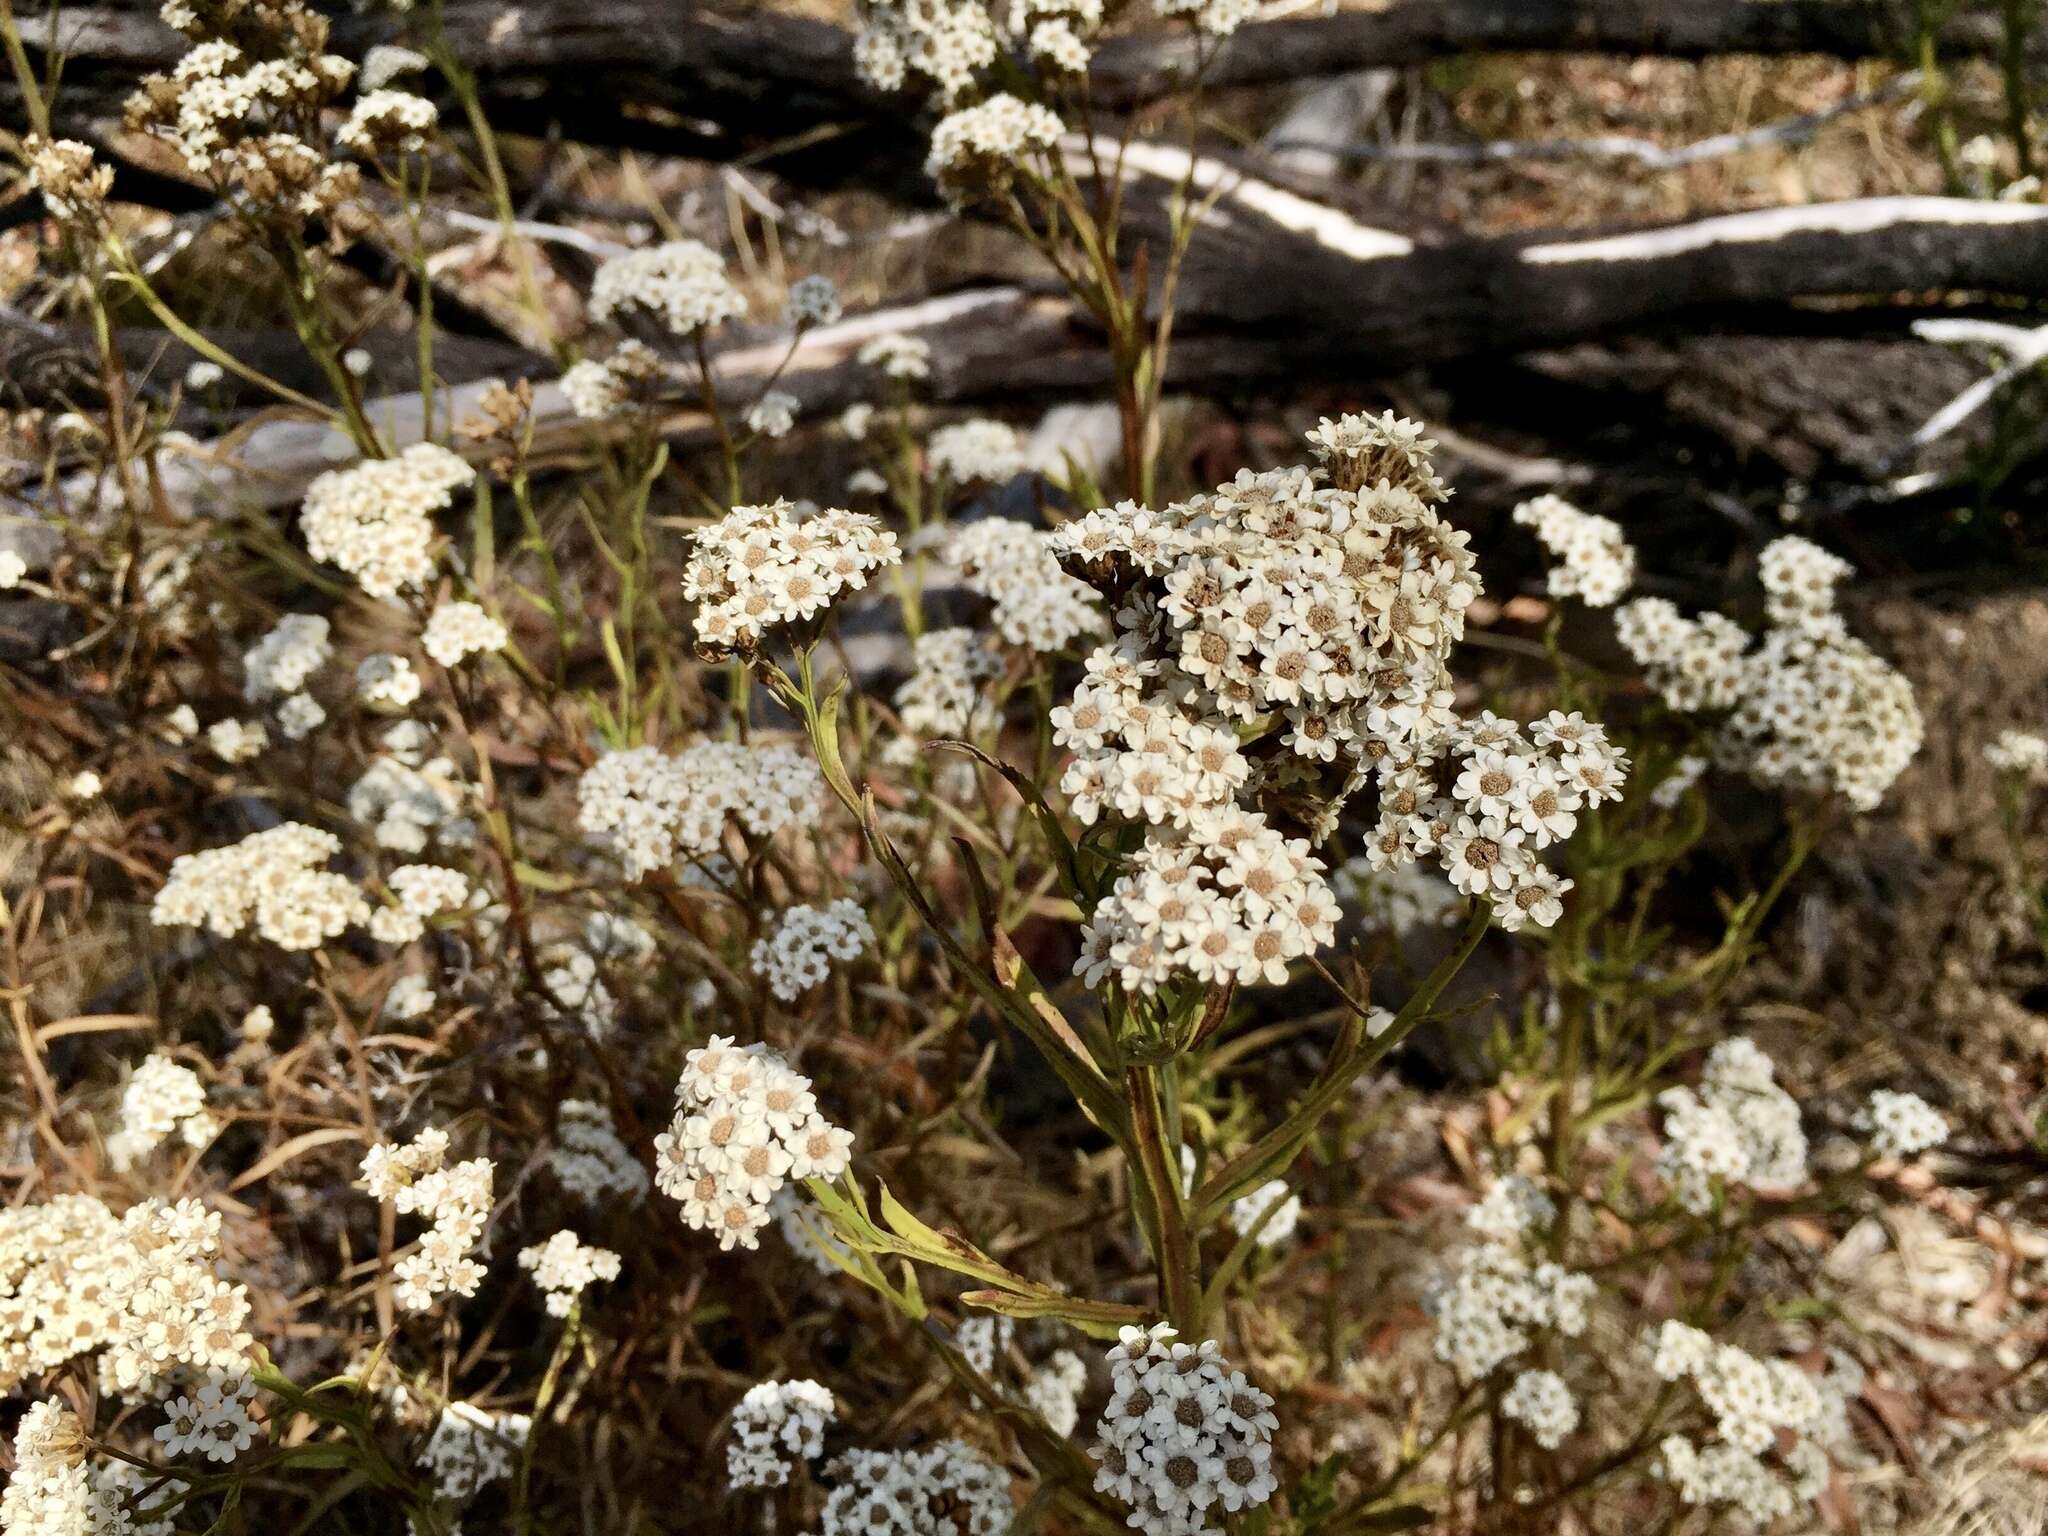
column 385, row 121
column 140, row 1288
column 1286, row 640
column 1755, row 1464
column 1035, row 604
column 680, row 283
column 1230, row 899
column 1901, row 1124
column 765, row 567
column 1542, row 1403
column 376, row 519
column 456, row 630
column 1496, row 1296
column 455, row 1199
column 2019, row 752
column 942, row 697
column 975, row 450
column 161, row 1097
column 906, row 359
column 1592, row 560
column 272, row 879
column 565, row 1267
column 1738, row 1128
column 652, row 808
column 944, row 1489
column 1810, row 707
column 745, row 1125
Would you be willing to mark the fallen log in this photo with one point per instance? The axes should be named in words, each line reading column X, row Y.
column 1278, row 287
column 700, row 79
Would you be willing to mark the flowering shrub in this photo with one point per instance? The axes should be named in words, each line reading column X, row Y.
column 602, row 1045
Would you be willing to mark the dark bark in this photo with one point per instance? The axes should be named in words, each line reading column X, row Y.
column 691, row 78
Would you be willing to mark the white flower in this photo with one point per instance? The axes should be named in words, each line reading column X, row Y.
column 682, row 283
column 1901, row 1124
column 457, row 630
column 375, row 520
column 1542, row 1403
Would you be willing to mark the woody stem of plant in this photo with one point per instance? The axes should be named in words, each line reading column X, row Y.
column 1174, row 1249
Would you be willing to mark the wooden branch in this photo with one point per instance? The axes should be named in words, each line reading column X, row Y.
column 1646, row 153
column 1279, row 287
column 688, row 77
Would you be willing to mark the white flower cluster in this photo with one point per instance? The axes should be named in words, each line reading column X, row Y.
column 299, row 716
column 2019, row 752
column 942, row 696
column 589, row 1160
column 411, row 997
column 386, row 681
column 285, row 658
column 1755, row 1404
column 1016, row 567
column 1054, row 1391
column 1512, row 1209
column 651, row 808
column 139, row 1288
column 386, row 62
column 51, row 1491
column 227, row 107
column 597, row 389
column 459, row 629
column 271, row 877
column 212, row 1419
column 386, row 121
column 160, row 1097
column 682, row 283
column 565, row 1267
column 424, row 891
column 1495, row 1294
column 1493, row 795
column 1182, row 1435
column 987, row 143
column 1248, row 1213
column 944, row 1489
column 1298, row 619
column 746, row 1124
column 1811, row 708
column 1593, row 562
column 455, row 1199
column 773, row 414
column 376, row 519
column 1901, row 1124
column 775, row 1423
column 471, row 1448
column 813, row 300
column 1230, row 899
column 980, row 449
column 406, row 798
column 1739, row 1128
column 904, row 358
column 763, row 567
column 798, row 953
column 236, row 741
column 1542, row 1404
